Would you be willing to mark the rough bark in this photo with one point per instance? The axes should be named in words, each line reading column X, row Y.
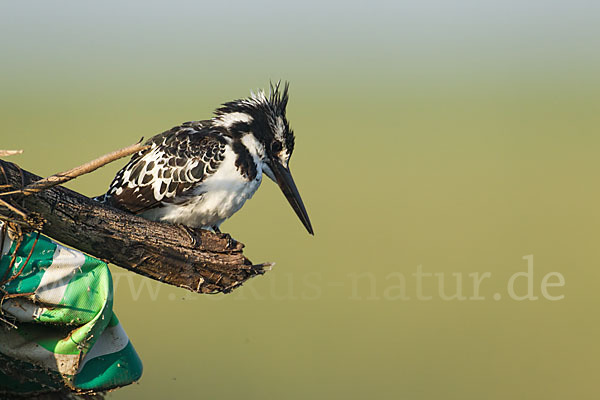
column 195, row 259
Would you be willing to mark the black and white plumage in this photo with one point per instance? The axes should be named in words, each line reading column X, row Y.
column 200, row 173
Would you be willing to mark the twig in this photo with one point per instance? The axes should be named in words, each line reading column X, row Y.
column 7, row 322
column 5, row 153
column 13, row 209
column 66, row 176
column 14, row 276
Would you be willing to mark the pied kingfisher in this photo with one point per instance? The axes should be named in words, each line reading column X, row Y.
column 200, row 173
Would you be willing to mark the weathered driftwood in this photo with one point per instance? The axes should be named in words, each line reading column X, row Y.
column 195, row 259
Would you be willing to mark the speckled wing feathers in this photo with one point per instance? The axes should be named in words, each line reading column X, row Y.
column 179, row 160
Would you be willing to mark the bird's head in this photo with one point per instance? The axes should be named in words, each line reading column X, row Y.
column 259, row 121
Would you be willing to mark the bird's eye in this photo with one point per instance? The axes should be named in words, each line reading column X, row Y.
column 276, row 147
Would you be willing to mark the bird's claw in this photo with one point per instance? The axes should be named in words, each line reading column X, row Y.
column 194, row 239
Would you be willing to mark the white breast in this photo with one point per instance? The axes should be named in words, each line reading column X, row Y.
column 216, row 199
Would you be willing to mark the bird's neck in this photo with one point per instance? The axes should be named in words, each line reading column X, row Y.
column 254, row 146
column 244, row 127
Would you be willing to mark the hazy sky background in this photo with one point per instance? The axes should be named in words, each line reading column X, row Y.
column 333, row 41
column 455, row 135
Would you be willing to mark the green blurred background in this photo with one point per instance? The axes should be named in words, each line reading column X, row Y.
column 456, row 136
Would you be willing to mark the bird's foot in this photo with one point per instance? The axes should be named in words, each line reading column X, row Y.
column 231, row 242
column 192, row 234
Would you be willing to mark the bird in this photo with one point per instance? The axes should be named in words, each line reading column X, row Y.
column 198, row 174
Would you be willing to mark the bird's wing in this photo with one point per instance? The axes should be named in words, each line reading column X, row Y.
column 177, row 160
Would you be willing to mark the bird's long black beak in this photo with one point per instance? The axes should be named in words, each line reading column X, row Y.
column 289, row 189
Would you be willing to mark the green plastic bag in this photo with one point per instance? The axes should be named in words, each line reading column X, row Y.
column 58, row 329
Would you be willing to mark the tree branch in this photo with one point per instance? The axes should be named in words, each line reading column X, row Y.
column 195, row 259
